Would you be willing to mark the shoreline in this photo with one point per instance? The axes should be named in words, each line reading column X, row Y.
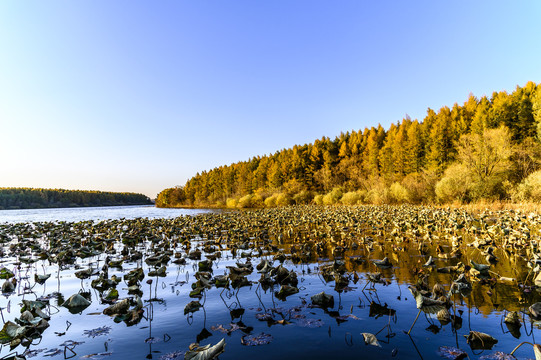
column 474, row 207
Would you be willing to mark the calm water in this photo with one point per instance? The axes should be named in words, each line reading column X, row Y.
column 298, row 330
column 94, row 213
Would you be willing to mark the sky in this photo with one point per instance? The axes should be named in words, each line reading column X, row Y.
column 139, row 96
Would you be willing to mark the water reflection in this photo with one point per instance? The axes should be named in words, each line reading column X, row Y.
column 251, row 277
column 95, row 213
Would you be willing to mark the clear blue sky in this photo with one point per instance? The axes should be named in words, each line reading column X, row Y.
column 140, row 95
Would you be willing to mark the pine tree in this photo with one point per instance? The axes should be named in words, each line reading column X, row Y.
column 415, row 154
column 441, row 141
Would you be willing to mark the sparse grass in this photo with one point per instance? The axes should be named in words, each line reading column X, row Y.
column 483, row 205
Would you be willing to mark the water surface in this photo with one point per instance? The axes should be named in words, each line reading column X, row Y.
column 407, row 236
column 94, row 213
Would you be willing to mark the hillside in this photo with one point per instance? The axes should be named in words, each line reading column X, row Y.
column 486, row 148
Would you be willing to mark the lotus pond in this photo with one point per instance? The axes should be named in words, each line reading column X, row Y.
column 299, row 282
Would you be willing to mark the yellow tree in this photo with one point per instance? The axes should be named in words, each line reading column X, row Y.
column 536, row 110
column 481, row 117
column 399, row 148
column 371, row 154
column 415, row 153
column 274, row 174
column 468, row 111
column 487, row 157
column 441, row 149
column 386, row 156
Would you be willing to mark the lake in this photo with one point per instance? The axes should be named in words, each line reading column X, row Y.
column 94, row 213
column 253, row 275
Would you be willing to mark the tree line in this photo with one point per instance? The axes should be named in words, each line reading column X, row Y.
column 486, row 148
column 31, row 198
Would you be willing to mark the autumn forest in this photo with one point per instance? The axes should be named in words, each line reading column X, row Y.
column 488, row 148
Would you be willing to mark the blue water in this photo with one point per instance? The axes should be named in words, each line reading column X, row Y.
column 336, row 334
column 94, row 213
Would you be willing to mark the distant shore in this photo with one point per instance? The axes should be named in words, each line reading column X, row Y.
column 32, row 198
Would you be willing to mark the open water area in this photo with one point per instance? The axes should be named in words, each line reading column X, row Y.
column 94, row 213
column 152, row 285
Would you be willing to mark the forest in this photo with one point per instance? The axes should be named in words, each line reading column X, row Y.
column 488, row 148
column 31, row 198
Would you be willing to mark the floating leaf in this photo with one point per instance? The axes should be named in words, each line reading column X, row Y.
column 384, row 264
column 134, row 276
column 40, row 279
column 5, row 273
column 498, row 355
column 480, row 341
column 76, row 303
column 535, row 310
column 285, row 291
column 32, row 305
column 444, row 316
column 162, row 271
column 120, row 307
column 221, row 281
column 453, row 353
column 8, row 286
column 207, row 352
column 370, row 339
column 192, row 306
column 205, row 265
column 112, row 294
column 323, row 300
column 255, row 340
column 426, row 304
column 482, row 268
column 84, row 274
column 11, row 331
column 512, row 318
